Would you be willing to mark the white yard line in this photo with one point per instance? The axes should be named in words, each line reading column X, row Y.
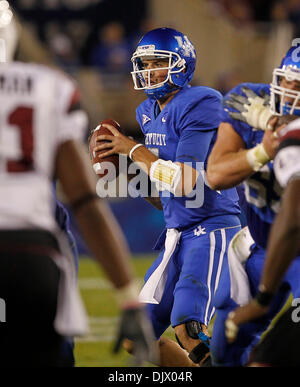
column 102, row 329
column 94, row 283
column 98, row 283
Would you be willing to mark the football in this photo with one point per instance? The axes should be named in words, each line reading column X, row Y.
column 100, row 164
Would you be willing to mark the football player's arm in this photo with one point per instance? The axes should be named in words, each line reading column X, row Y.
column 187, row 174
column 149, row 163
column 94, row 217
column 230, row 163
column 283, row 247
column 108, row 246
column 227, row 163
column 153, row 200
column 284, row 239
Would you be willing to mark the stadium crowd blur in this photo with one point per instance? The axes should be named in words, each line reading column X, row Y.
column 93, row 41
column 259, row 15
column 245, row 13
column 102, row 34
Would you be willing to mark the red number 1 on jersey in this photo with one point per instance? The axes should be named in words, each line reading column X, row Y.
column 22, row 117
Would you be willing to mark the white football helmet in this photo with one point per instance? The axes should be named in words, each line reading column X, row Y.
column 8, row 33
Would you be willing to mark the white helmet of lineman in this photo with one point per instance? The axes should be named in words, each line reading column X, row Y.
column 8, row 33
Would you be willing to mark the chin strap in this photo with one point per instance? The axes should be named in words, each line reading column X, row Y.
column 161, row 92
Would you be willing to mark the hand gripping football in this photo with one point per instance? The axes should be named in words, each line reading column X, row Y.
column 103, row 165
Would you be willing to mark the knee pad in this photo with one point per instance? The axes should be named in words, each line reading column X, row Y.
column 193, row 328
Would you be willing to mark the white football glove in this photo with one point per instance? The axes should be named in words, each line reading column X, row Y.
column 253, row 109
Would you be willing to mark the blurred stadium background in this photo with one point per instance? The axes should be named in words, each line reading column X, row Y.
column 92, row 40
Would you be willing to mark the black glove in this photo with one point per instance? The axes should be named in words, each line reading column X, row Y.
column 136, row 327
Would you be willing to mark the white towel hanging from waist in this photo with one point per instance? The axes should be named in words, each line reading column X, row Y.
column 153, row 289
column 71, row 318
column 238, row 253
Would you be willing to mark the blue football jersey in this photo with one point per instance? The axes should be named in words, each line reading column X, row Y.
column 262, row 191
column 185, row 131
column 63, row 221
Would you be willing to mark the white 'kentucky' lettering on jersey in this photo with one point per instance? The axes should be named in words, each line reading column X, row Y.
column 155, row 139
column 35, row 118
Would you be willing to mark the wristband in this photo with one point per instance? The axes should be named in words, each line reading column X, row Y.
column 166, row 175
column 133, row 149
column 257, row 157
column 263, row 298
column 128, row 295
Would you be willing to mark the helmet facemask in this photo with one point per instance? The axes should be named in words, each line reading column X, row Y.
column 143, row 78
column 279, row 94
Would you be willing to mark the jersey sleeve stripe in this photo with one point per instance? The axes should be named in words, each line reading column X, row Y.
column 74, row 102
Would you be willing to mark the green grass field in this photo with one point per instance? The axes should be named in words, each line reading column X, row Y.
column 95, row 350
